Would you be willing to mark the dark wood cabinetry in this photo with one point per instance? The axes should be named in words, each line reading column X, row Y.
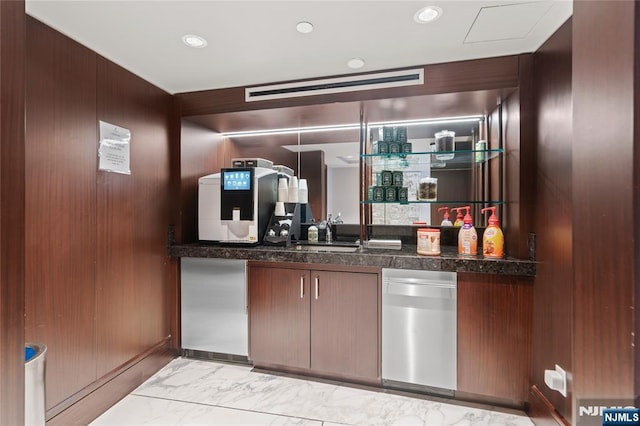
column 494, row 336
column 322, row 322
column 280, row 315
column 344, row 323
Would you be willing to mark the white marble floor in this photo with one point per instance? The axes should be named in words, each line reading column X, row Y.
column 193, row 392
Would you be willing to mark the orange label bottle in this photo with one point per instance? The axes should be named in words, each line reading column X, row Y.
column 492, row 239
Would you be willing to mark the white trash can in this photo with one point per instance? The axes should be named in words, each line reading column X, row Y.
column 34, row 408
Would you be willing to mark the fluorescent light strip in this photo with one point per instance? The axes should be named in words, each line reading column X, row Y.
column 446, row 120
column 337, row 127
column 291, row 130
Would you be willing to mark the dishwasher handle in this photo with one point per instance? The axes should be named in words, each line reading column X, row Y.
column 418, row 282
column 422, row 289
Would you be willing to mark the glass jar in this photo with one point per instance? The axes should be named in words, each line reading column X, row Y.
column 435, row 162
column 428, row 189
column 445, row 141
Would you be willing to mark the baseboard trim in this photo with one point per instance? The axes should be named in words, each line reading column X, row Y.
column 491, row 400
column 87, row 404
column 542, row 412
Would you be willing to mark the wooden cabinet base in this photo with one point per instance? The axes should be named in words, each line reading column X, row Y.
column 305, row 373
column 494, row 335
column 95, row 399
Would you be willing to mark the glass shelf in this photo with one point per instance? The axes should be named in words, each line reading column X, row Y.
column 461, row 156
column 460, row 203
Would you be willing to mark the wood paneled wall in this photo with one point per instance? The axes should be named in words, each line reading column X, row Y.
column 553, row 289
column 202, row 152
column 61, row 165
column 519, row 163
column 132, row 221
column 314, row 170
column 513, row 122
column 97, row 271
column 12, row 221
column 605, row 197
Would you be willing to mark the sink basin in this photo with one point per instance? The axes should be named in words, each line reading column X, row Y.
column 327, row 248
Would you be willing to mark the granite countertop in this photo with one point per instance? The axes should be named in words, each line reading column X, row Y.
column 405, row 258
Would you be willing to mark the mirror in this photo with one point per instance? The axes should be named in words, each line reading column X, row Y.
column 329, row 160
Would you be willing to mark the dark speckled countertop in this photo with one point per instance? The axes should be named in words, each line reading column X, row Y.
column 405, row 258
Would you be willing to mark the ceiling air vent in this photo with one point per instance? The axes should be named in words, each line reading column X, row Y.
column 336, row 85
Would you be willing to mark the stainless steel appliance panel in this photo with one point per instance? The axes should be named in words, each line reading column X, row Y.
column 214, row 306
column 419, row 328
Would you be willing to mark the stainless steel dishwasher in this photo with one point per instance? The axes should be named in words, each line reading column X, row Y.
column 419, row 330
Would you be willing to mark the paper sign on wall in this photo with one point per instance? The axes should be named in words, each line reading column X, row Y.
column 113, row 152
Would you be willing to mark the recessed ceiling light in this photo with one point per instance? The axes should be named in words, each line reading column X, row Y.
column 427, row 14
column 304, row 27
column 193, row 40
column 355, row 63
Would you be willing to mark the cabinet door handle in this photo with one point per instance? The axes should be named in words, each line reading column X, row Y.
column 317, row 285
column 302, row 287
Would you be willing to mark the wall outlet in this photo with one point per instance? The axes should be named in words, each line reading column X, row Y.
column 556, row 380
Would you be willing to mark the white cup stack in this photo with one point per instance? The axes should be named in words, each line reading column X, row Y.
column 303, row 192
column 293, row 189
column 280, row 211
column 283, row 190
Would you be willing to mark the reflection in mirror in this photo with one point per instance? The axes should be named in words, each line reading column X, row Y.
column 449, row 177
column 341, row 159
column 330, row 163
column 329, row 160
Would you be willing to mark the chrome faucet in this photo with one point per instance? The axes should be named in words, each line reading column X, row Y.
column 329, row 223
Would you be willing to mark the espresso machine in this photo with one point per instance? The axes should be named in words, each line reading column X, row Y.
column 235, row 205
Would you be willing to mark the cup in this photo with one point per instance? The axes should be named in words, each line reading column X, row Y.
column 280, row 211
column 283, row 190
column 293, row 190
column 303, row 191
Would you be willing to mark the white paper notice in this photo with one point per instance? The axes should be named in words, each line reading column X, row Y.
column 113, row 152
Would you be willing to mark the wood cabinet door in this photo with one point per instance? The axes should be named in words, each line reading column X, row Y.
column 279, row 316
column 494, row 335
column 344, row 324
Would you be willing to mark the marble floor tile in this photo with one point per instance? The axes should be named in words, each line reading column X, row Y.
column 237, row 387
column 141, row 410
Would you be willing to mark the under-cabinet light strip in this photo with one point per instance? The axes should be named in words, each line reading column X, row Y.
column 332, row 128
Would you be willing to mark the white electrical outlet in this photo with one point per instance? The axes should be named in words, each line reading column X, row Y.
column 556, row 380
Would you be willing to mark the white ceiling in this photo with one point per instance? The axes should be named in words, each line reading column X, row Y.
column 255, row 42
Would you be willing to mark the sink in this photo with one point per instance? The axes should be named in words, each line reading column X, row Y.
column 326, row 248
